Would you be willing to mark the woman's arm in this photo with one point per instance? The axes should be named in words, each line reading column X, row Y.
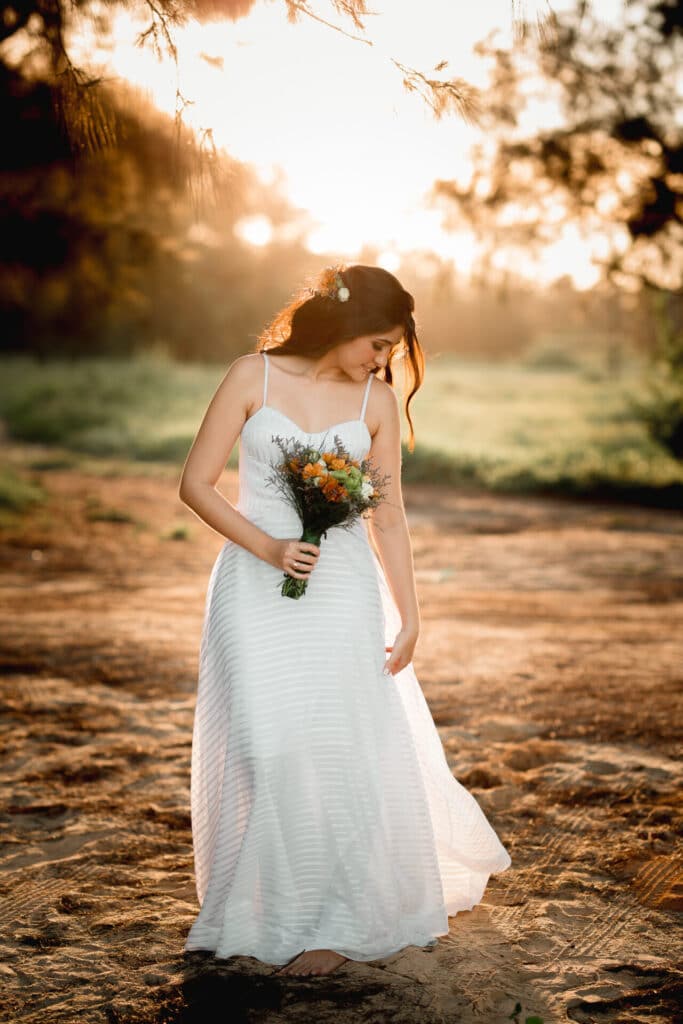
column 388, row 527
column 218, row 432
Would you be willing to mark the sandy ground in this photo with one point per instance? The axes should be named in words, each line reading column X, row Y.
column 549, row 658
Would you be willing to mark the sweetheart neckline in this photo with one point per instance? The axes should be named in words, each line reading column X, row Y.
column 308, row 433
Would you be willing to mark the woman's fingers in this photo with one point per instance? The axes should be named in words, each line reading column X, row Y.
column 305, row 545
column 301, row 558
column 303, row 563
column 400, row 655
column 307, row 555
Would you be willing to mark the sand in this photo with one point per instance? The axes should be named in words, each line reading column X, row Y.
column 551, row 657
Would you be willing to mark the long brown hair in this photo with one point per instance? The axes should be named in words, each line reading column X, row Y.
column 316, row 320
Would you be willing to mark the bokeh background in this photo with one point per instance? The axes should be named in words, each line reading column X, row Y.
column 172, row 172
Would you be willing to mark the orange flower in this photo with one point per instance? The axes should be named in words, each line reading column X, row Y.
column 328, row 456
column 294, row 464
column 310, row 470
column 337, row 463
column 333, row 490
column 355, row 462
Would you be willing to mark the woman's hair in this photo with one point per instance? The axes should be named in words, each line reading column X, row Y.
column 316, row 320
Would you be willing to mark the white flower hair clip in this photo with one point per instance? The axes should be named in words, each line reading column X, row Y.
column 343, row 293
column 337, row 290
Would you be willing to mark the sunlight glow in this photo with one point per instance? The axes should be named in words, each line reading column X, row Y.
column 256, row 230
column 389, row 260
column 327, row 120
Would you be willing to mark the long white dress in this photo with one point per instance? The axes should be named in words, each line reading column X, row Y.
column 324, row 813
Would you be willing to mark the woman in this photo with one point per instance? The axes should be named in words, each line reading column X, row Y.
column 326, row 822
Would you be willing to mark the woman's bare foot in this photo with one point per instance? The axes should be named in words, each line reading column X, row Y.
column 313, row 961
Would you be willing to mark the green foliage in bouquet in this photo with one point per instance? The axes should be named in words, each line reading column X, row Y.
column 326, row 488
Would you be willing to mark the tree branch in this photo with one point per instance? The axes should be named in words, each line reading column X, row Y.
column 296, row 7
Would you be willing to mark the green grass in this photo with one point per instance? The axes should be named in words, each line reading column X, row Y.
column 98, row 513
column 177, row 531
column 514, row 1016
column 513, row 428
column 146, row 409
column 16, row 495
column 509, row 427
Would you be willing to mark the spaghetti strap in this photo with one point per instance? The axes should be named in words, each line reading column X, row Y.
column 365, row 396
column 265, row 377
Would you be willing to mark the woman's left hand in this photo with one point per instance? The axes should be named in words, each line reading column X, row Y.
column 401, row 653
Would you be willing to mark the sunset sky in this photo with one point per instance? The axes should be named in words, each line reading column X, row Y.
column 330, row 120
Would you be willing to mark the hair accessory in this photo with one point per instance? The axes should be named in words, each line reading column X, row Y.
column 343, row 293
column 337, row 290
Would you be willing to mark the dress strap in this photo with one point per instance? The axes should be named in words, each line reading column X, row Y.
column 265, row 376
column 365, row 396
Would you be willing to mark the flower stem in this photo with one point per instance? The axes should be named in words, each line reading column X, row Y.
column 292, row 586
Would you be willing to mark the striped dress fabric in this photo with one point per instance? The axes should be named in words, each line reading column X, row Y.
column 324, row 813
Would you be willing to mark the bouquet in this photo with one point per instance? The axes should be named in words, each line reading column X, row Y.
column 326, row 488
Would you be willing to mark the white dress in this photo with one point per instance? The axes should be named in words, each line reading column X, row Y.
column 324, row 813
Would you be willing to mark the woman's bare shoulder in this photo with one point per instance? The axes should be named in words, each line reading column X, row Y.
column 249, row 364
column 242, row 381
column 244, row 371
column 383, row 406
column 385, row 397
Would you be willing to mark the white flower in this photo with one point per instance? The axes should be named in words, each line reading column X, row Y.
column 343, row 294
column 366, row 489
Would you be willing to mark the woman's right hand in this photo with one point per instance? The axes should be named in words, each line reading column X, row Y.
column 296, row 557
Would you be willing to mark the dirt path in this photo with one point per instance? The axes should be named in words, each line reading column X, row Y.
column 549, row 659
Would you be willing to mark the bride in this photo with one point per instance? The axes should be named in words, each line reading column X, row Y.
column 326, row 823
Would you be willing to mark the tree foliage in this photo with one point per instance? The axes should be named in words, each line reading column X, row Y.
column 102, row 251
column 612, row 161
column 35, row 37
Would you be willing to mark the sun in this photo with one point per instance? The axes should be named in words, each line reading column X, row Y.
column 351, row 148
column 256, row 230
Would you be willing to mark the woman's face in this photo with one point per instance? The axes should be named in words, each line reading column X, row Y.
column 369, row 352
